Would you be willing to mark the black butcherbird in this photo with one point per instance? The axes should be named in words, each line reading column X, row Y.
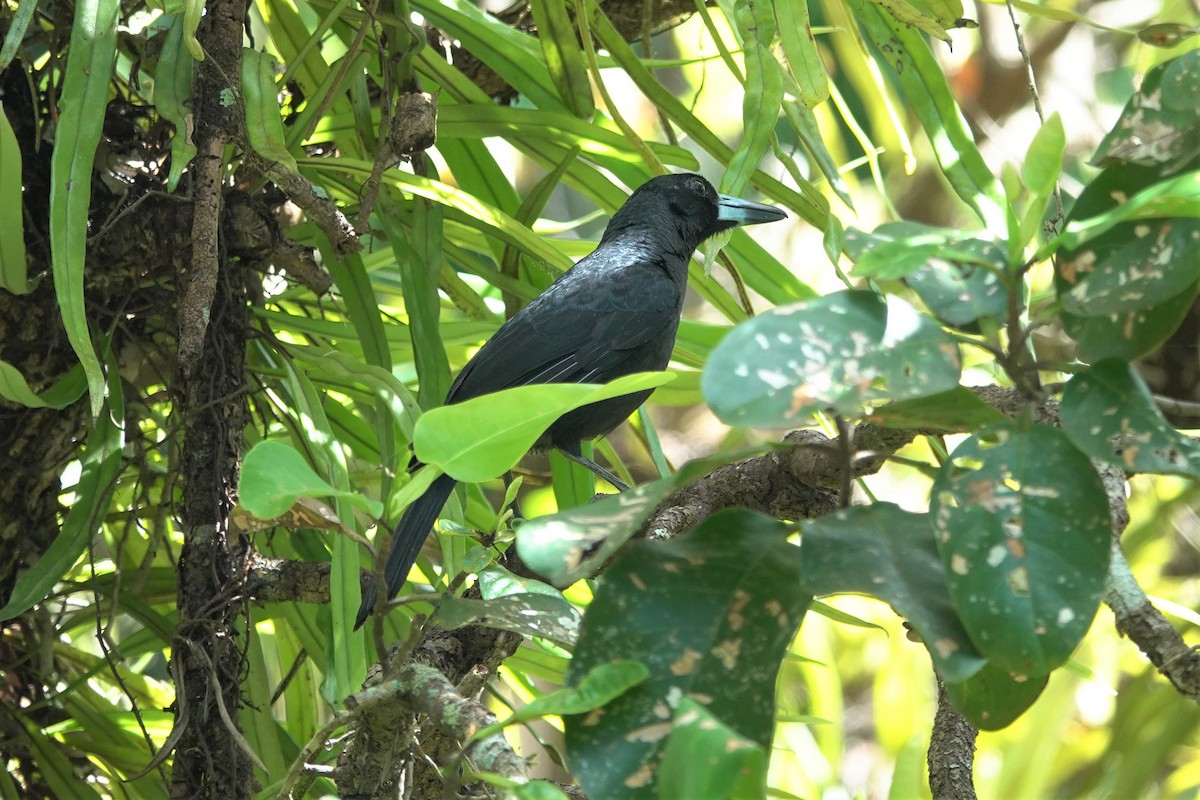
column 612, row 314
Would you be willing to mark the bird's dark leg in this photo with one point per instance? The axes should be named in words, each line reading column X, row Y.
column 595, row 469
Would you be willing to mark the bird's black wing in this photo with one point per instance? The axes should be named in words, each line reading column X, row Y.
column 594, row 324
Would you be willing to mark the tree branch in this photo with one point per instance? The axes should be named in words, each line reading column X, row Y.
column 951, row 755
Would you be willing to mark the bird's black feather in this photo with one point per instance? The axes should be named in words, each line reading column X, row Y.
column 614, row 313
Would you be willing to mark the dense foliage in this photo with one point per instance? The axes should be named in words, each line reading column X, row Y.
column 243, row 251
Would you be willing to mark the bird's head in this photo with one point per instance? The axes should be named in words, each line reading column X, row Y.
column 689, row 207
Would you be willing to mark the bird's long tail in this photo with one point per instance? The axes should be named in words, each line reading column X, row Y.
column 407, row 539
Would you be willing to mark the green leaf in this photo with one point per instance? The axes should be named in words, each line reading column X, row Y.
column 484, row 437
column 706, row 758
column 992, row 699
column 418, row 255
column 15, row 35
column 800, row 49
column 13, row 269
column 602, row 684
column 808, row 205
column 564, row 58
column 62, row 394
column 948, row 13
column 173, row 76
column 53, row 766
column 1044, row 159
column 897, row 249
column 961, row 294
column 954, row 272
column 80, row 122
column 495, row 581
column 1164, row 34
column 1024, row 532
column 538, row 790
column 100, row 466
column 1109, row 413
column 274, row 476
column 1160, row 124
column 808, row 131
column 710, row 614
column 841, row 352
column 1127, row 289
column 1039, row 172
column 511, row 53
column 908, row 14
column 929, row 96
column 763, row 97
column 1175, row 197
column 889, row 553
column 529, row 614
column 264, row 119
column 1131, row 334
column 955, row 411
column 574, row 544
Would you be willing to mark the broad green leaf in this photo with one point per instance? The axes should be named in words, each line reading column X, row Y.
column 706, row 758
column 1131, row 334
column 1022, row 523
column 495, row 581
column 264, row 122
column 529, row 614
column 484, row 437
column 1144, row 273
column 1160, row 124
column 889, row 553
column 80, row 122
column 955, row 273
column 960, row 294
column 896, row 249
column 992, row 699
column 710, row 614
column 842, row 352
column 274, row 476
column 955, row 411
column 1109, row 413
column 574, row 544
column 13, row 269
column 1174, row 197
